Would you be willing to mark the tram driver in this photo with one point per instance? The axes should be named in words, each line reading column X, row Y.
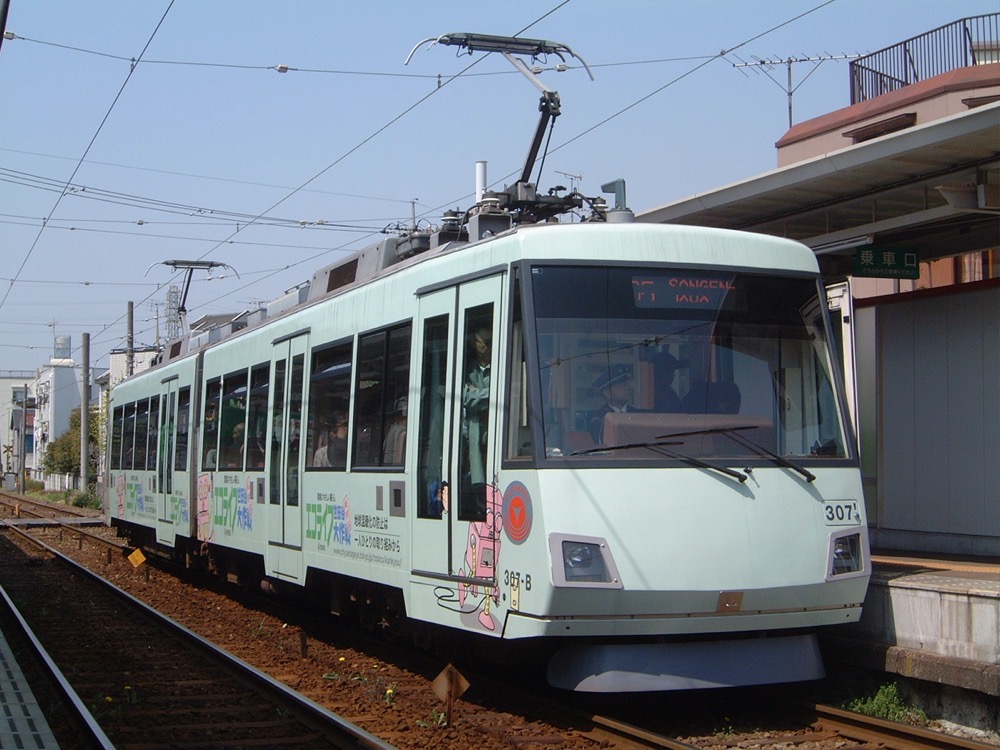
column 615, row 386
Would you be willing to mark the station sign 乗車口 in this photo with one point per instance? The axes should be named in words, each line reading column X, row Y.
column 886, row 263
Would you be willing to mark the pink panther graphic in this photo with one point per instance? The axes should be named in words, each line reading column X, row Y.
column 120, row 489
column 482, row 555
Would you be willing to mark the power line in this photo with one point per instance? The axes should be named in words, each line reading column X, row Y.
column 79, row 164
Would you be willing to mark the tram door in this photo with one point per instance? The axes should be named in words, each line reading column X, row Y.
column 457, row 457
column 283, row 462
column 166, row 445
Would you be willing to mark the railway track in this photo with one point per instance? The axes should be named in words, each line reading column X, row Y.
column 40, row 509
column 494, row 714
column 147, row 682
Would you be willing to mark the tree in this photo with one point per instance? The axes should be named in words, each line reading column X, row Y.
column 63, row 454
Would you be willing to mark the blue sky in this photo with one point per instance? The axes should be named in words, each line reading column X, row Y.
column 179, row 139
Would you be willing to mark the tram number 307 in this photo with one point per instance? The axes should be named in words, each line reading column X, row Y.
column 841, row 512
column 517, row 580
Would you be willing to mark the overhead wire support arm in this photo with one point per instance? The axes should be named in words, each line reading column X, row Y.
column 509, row 46
column 190, row 266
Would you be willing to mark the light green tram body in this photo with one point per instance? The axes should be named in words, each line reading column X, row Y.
column 685, row 549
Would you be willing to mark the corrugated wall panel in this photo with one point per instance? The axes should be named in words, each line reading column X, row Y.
column 939, row 414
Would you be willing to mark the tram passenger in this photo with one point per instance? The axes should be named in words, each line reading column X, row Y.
column 232, row 452
column 333, row 453
column 475, row 415
column 665, row 367
column 437, row 499
column 615, row 386
column 708, row 397
column 394, row 446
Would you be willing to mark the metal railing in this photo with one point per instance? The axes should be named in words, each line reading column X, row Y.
column 971, row 41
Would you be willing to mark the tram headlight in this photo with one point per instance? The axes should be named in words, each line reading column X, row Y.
column 582, row 561
column 846, row 555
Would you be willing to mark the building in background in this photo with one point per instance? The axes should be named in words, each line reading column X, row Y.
column 17, row 440
column 899, row 196
column 57, row 394
column 142, row 357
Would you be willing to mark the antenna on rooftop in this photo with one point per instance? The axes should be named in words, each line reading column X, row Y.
column 765, row 66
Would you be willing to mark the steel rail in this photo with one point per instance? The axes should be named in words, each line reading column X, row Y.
column 321, row 716
column 82, row 714
column 889, row 734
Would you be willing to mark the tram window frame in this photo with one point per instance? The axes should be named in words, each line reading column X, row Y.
column 210, row 425
column 141, row 437
column 331, row 376
column 128, row 436
column 432, row 477
column 117, row 428
column 257, row 417
column 383, row 370
column 519, row 438
column 181, row 437
column 474, row 468
column 153, row 433
column 231, row 416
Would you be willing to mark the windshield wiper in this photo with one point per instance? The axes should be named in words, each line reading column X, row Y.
column 733, row 432
column 659, row 446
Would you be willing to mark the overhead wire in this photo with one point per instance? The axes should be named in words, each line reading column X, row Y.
column 333, row 164
column 79, row 163
column 658, row 90
column 259, row 218
column 389, row 124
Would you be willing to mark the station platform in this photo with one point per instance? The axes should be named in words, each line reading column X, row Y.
column 22, row 723
column 928, row 619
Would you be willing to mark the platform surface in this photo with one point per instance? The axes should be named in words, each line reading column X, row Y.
column 22, row 724
column 932, row 619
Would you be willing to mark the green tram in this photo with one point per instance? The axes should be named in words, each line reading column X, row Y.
column 430, row 439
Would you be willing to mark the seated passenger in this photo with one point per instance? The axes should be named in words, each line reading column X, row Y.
column 615, row 386
column 232, row 452
column 333, row 454
column 394, row 446
column 665, row 366
column 712, row 398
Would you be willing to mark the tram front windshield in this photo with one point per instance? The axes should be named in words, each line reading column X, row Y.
column 668, row 364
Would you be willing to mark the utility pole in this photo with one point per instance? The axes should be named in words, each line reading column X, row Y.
column 22, row 463
column 129, row 343
column 765, row 66
column 85, row 413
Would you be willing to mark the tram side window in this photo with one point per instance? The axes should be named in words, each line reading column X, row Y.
column 152, row 433
column 432, row 497
column 128, row 437
column 381, row 386
column 519, row 443
column 210, row 426
column 256, row 424
column 164, row 476
column 232, row 420
column 183, row 418
column 474, row 470
column 329, row 401
column 117, row 424
column 141, row 434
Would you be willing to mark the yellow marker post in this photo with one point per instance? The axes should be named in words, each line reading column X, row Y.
column 137, row 558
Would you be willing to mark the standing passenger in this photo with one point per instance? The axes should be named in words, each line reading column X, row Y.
column 475, row 415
